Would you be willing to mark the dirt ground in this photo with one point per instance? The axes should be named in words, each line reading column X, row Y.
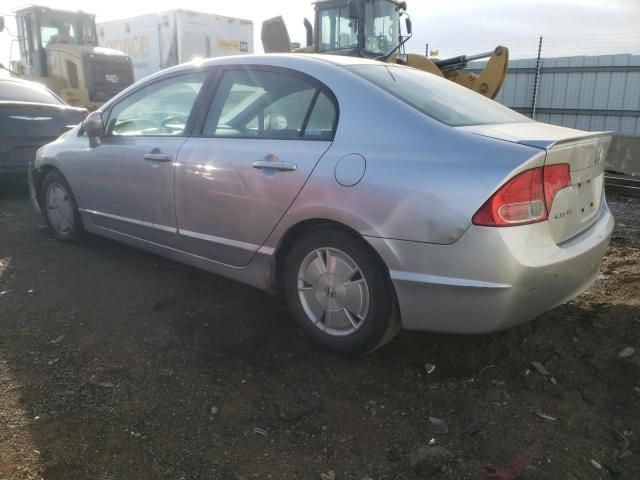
column 118, row 364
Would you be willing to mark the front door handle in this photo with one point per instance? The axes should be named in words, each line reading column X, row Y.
column 156, row 156
column 277, row 165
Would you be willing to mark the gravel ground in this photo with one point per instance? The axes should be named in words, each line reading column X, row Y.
column 118, row 364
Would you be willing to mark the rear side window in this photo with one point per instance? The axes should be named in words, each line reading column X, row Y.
column 322, row 119
column 24, row 92
column 437, row 97
column 270, row 105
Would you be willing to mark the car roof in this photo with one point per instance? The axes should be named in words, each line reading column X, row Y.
column 22, row 82
column 291, row 60
column 286, row 60
column 297, row 57
column 31, row 84
column 295, row 61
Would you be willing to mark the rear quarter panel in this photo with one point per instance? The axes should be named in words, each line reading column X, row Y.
column 424, row 180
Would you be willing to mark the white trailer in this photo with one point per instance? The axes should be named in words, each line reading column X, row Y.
column 160, row 40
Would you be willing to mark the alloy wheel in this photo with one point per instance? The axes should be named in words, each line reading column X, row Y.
column 333, row 291
column 59, row 209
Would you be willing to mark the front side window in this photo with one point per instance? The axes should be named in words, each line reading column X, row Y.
column 437, row 97
column 337, row 29
column 160, row 109
column 381, row 26
column 266, row 104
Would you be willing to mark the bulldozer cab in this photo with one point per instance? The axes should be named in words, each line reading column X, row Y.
column 59, row 48
column 367, row 28
column 41, row 27
column 373, row 29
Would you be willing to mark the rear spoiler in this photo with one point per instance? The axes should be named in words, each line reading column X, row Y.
column 549, row 144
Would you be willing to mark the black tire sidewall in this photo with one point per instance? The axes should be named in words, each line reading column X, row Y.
column 76, row 231
column 380, row 317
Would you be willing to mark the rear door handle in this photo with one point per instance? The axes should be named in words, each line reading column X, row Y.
column 280, row 166
column 156, row 156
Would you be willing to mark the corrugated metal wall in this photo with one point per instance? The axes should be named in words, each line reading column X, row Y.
column 585, row 92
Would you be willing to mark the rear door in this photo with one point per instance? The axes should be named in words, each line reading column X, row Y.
column 263, row 135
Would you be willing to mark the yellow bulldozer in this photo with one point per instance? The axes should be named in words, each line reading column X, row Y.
column 59, row 48
column 373, row 29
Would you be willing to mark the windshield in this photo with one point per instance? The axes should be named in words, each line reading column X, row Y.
column 337, row 29
column 437, row 97
column 57, row 27
column 381, row 26
column 26, row 92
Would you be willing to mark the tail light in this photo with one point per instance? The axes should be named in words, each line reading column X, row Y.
column 524, row 199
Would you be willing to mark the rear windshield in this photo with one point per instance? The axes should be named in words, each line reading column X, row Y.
column 441, row 99
column 24, row 92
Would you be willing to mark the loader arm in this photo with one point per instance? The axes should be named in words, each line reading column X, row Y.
column 488, row 82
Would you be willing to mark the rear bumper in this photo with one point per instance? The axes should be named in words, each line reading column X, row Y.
column 492, row 278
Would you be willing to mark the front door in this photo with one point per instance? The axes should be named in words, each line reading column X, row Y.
column 264, row 134
column 127, row 182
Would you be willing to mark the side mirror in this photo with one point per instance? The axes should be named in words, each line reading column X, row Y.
column 93, row 125
column 1, row 24
column 409, row 26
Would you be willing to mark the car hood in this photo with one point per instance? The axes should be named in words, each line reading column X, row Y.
column 533, row 134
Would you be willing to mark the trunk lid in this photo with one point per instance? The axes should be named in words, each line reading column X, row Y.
column 574, row 208
column 37, row 120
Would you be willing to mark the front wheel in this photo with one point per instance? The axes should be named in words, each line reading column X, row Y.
column 59, row 208
column 340, row 292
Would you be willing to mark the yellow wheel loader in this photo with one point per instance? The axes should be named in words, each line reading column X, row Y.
column 373, row 29
column 59, row 48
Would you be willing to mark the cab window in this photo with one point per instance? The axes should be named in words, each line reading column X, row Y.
column 272, row 105
column 338, row 30
column 159, row 109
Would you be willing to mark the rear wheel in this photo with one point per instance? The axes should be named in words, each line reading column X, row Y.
column 340, row 292
column 59, row 208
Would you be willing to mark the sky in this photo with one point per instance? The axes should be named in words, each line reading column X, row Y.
column 452, row 27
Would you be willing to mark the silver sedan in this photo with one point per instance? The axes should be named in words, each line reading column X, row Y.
column 373, row 196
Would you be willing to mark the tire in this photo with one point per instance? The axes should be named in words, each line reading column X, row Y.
column 340, row 292
column 59, row 208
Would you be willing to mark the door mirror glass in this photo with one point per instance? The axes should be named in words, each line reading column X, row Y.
column 93, row 125
column 409, row 26
column 1, row 24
